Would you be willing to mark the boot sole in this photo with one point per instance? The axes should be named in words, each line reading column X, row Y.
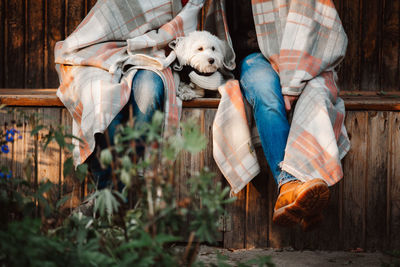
column 309, row 203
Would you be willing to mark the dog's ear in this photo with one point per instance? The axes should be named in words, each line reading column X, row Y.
column 179, row 46
column 229, row 55
column 173, row 43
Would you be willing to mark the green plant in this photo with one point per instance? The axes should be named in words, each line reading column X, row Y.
column 136, row 227
column 394, row 261
column 157, row 217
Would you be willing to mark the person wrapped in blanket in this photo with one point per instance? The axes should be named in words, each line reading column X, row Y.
column 288, row 66
column 119, row 58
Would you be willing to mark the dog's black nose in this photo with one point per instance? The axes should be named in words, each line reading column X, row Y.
column 211, row 60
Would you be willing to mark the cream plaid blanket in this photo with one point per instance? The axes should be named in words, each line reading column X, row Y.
column 97, row 62
column 304, row 40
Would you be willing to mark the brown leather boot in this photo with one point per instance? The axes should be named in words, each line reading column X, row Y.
column 298, row 200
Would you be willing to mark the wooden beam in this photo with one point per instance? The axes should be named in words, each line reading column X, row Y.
column 30, row 97
column 378, row 101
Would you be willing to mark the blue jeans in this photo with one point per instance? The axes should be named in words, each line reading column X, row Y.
column 147, row 96
column 261, row 87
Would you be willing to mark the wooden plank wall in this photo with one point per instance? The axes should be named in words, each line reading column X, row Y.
column 28, row 33
column 364, row 210
column 30, row 29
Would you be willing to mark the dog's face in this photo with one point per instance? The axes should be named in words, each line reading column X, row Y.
column 201, row 50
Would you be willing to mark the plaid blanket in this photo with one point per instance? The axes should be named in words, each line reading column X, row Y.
column 97, row 62
column 304, row 40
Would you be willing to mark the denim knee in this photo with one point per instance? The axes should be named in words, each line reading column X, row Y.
column 118, row 120
column 147, row 91
column 259, row 82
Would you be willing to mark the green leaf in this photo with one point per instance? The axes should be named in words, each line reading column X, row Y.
column 49, row 137
column 145, row 240
column 68, row 166
column 125, row 177
column 157, row 119
column 43, row 188
column 126, row 162
column 74, row 137
column 82, row 171
column 62, row 201
column 70, row 147
column 105, row 203
column 37, row 129
column 194, row 140
column 106, row 157
column 229, row 200
column 174, row 145
column 59, row 139
column 109, row 202
column 225, row 192
column 165, row 238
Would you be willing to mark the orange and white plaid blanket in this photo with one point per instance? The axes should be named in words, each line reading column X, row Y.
column 97, row 62
column 304, row 40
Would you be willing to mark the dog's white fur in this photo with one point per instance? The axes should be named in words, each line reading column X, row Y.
column 202, row 51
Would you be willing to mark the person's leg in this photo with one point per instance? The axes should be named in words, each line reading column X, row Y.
column 102, row 177
column 297, row 202
column 261, row 87
column 147, row 97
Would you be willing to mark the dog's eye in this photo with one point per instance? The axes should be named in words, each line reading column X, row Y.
column 213, row 48
column 200, row 49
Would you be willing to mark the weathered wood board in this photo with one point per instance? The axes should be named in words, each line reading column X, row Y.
column 34, row 44
column 354, row 184
column 393, row 183
column 2, row 42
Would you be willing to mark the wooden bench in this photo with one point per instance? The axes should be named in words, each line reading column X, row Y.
column 354, row 100
column 364, row 210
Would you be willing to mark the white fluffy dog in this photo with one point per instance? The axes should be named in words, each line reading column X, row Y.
column 200, row 56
